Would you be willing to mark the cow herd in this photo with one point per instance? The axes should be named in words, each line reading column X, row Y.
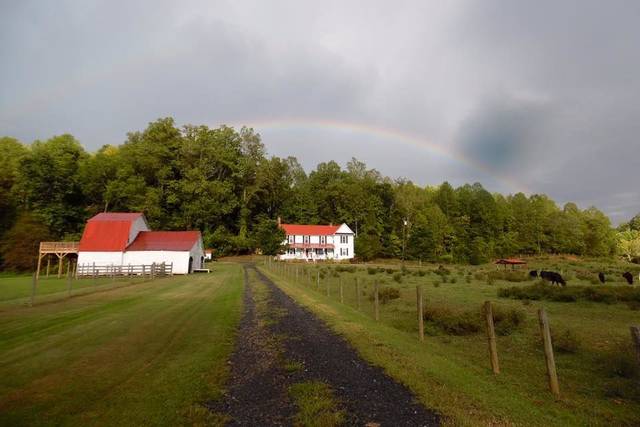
column 557, row 279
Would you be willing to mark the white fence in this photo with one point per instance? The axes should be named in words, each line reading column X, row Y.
column 152, row 270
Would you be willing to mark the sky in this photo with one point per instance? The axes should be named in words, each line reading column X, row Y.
column 539, row 97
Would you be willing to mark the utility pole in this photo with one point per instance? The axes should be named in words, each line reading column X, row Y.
column 404, row 238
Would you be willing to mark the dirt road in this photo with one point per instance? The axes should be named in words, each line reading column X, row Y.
column 277, row 333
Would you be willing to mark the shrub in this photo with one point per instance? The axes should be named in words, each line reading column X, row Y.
column 346, row 269
column 454, row 280
column 453, row 323
column 372, row 270
column 620, row 362
column 489, row 280
column 479, row 276
column 397, row 277
column 390, row 270
column 509, row 276
column 421, row 273
column 436, row 284
column 467, row 279
column 542, row 291
column 506, row 321
column 444, row 279
column 387, row 294
column 565, row 342
column 633, row 305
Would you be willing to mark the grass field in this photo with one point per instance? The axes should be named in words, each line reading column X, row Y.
column 17, row 289
column 450, row 371
column 145, row 354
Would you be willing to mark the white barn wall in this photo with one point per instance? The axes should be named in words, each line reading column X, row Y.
column 100, row 258
column 137, row 226
column 180, row 259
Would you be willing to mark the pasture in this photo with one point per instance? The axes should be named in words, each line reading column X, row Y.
column 450, row 371
column 146, row 354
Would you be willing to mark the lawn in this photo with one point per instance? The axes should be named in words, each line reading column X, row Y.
column 17, row 289
column 145, row 354
column 450, row 371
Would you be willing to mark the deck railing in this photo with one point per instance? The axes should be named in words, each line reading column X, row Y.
column 59, row 247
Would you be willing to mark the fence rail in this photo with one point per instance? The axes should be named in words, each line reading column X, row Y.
column 112, row 270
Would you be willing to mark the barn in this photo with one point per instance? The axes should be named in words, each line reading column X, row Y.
column 124, row 238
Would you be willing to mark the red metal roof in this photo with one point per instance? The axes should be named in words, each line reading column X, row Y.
column 164, row 241
column 309, row 230
column 116, row 216
column 107, row 232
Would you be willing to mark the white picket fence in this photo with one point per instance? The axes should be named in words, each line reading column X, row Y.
column 144, row 270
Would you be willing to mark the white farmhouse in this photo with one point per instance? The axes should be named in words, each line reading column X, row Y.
column 318, row 242
column 122, row 239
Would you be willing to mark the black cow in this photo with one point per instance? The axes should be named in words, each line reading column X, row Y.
column 533, row 274
column 553, row 277
column 629, row 277
column 601, row 277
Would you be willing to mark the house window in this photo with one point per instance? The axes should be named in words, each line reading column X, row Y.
column 344, row 251
column 291, row 238
column 344, row 239
column 323, row 240
column 306, row 239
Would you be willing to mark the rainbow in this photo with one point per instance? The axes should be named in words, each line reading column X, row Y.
column 386, row 133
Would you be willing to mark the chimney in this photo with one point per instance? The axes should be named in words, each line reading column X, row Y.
column 331, row 224
column 279, row 221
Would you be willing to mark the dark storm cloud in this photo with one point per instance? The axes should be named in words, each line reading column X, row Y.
column 502, row 133
column 544, row 94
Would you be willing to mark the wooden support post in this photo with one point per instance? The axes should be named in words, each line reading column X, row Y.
column 376, row 300
column 491, row 336
column 357, row 293
column 341, row 291
column 548, row 353
column 48, row 264
column 635, row 338
column 34, row 284
column 69, row 276
column 38, row 266
column 420, row 313
column 60, row 266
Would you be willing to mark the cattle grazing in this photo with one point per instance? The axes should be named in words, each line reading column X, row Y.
column 601, row 277
column 553, row 277
column 629, row 277
column 533, row 273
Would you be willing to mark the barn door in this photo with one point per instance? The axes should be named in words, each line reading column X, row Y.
column 190, row 265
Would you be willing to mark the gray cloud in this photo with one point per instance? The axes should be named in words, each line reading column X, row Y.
column 544, row 94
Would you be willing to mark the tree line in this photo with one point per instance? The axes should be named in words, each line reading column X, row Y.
column 222, row 182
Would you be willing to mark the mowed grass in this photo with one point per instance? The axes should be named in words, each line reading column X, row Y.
column 451, row 373
column 17, row 289
column 147, row 354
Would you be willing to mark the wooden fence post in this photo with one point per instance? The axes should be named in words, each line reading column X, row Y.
column 341, row 291
column 635, row 338
column 357, row 293
column 491, row 336
column 548, row 353
column 34, row 284
column 376, row 301
column 318, row 280
column 69, row 275
column 420, row 311
column 328, row 287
